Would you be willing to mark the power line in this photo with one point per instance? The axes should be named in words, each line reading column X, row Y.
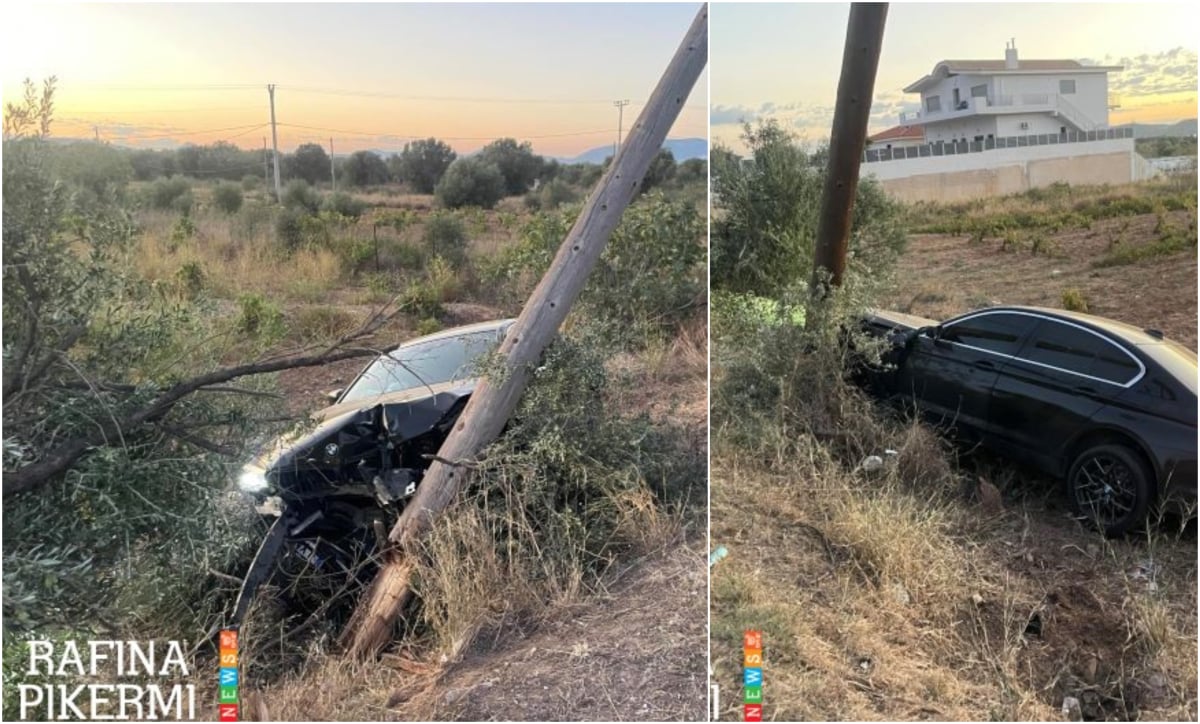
column 446, row 138
column 460, row 99
column 172, row 134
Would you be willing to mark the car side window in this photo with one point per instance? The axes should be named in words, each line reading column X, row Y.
column 995, row 332
column 1070, row 348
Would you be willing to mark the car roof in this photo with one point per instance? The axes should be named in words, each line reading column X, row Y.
column 463, row 331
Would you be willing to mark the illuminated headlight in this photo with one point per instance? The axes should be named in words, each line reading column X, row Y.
column 253, row 480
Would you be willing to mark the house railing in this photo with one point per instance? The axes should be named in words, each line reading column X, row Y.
column 1032, row 101
column 954, row 148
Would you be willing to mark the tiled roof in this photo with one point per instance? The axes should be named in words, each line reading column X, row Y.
column 900, row 133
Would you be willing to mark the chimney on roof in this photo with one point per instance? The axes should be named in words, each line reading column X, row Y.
column 1010, row 55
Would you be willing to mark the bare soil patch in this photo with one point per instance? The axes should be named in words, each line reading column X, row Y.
column 945, row 274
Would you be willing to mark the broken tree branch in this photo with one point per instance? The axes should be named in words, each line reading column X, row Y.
column 59, row 459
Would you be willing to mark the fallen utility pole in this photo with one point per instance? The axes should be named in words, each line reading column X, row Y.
column 856, row 88
column 493, row 402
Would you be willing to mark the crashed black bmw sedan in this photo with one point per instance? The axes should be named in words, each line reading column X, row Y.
column 1104, row 405
column 331, row 490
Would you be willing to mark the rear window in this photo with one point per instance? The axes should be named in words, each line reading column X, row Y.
column 1079, row 351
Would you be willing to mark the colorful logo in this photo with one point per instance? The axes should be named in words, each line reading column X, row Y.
column 227, row 707
column 752, row 675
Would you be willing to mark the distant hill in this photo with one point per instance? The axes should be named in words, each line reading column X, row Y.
column 1184, row 129
column 682, row 148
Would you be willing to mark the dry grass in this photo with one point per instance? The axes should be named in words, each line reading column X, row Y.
column 231, row 265
column 884, row 601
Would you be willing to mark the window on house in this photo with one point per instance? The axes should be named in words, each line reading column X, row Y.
column 1066, row 87
column 933, row 104
column 979, row 91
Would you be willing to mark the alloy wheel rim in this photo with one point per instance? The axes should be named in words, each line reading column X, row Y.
column 1105, row 488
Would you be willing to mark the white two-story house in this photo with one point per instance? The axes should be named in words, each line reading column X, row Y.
column 978, row 100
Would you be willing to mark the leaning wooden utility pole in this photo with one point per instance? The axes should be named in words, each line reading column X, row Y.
column 493, row 402
column 856, row 88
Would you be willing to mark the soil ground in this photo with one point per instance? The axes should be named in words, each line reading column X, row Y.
column 943, row 274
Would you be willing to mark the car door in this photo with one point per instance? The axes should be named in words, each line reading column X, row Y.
column 1063, row 375
column 951, row 369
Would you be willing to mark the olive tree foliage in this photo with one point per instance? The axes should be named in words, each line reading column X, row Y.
column 650, row 278
column 517, row 162
column 422, row 164
column 309, row 162
column 117, row 413
column 364, row 168
column 767, row 207
column 471, row 182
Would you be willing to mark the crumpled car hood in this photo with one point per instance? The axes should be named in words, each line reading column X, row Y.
column 406, row 414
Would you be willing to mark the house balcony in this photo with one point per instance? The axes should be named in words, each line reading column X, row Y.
column 1051, row 103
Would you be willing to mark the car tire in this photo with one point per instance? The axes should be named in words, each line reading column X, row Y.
column 1111, row 487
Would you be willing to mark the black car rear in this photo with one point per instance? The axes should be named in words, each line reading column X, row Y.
column 1108, row 407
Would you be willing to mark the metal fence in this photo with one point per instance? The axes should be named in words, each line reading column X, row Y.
column 954, row 148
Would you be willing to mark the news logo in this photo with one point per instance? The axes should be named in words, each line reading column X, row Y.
column 752, row 675
column 227, row 679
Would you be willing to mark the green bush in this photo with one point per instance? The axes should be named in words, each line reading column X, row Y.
column 518, row 164
column 166, row 193
column 470, row 182
column 191, row 278
column 422, row 164
column 344, row 204
column 227, row 197
column 1073, row 300
column 445, row 235
column 298, row 195
column 259, row 317
column 289, row 230
column 762, row 235
column 650, row 277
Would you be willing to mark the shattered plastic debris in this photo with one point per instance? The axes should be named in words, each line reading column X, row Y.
column 872, row 463
column 716, row 555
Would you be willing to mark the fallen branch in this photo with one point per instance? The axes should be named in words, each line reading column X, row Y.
column 60, row 459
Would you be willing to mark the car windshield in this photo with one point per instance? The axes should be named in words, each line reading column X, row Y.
column 423, row 364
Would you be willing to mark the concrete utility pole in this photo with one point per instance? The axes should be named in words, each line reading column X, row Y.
column 620, row 118
column 266, row 165
column 856, row 88
column 493, row 402
column 275, row 143
column 332, row 175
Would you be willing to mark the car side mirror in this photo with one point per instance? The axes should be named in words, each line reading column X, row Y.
column 332, row 395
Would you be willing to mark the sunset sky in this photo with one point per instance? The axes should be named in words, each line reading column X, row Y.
column 370, row 76
column 782, row 61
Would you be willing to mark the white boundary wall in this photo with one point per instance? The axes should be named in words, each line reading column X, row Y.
column 1009, row 170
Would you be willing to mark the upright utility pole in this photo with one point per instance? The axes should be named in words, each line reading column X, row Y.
column 495, row 397
column 856, row 87
column 332, row 176
column 274, row 142
column 266, row 165
column 620, row 117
